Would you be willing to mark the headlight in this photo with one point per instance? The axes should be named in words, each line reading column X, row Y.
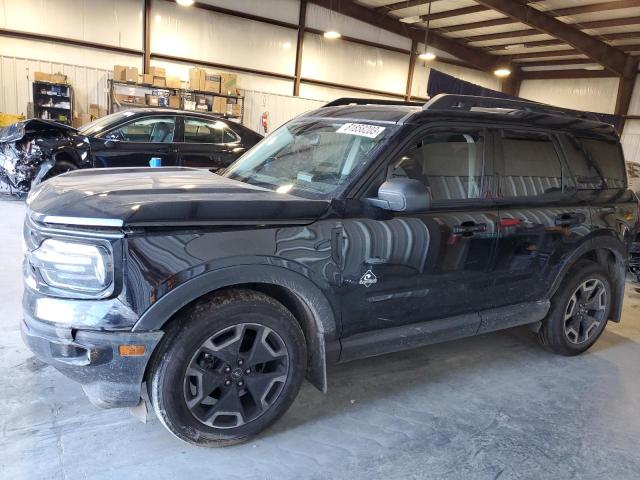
column 83, row 269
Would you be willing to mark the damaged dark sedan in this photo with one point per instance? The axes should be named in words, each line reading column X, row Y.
column 34, row 150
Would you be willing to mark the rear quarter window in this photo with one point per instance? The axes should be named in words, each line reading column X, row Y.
column 596, row 163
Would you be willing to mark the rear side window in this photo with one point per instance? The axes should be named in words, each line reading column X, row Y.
column 599, row 165
column 531, row 165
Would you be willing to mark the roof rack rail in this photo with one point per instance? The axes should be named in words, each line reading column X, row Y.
column 446, row 101
column 370, row 101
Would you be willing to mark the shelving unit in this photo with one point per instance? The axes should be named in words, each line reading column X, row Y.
column 125, row 95
column 53, row 101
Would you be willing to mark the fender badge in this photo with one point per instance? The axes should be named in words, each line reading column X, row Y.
column 368, row 279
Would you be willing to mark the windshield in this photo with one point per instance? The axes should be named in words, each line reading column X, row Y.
column 310, row 157
column 100, row 124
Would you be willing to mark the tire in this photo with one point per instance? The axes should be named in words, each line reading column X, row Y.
column 212, row 383
column 60, row 167
column 569, row 329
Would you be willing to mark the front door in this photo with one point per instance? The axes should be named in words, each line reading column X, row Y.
column 209, row 143
column 404, row 268
column 136, row 143
column 543, row 217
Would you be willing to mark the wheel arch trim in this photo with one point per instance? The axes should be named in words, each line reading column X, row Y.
column 323, row 341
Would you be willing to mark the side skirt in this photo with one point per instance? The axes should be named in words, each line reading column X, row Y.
column 394, row 339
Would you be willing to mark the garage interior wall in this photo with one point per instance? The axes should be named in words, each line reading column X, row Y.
column 328, row 69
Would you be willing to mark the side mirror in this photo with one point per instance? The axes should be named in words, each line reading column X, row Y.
column 402, row 195
column 110, row 143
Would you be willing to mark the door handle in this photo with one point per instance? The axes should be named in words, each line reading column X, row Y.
column 569, row 218
column 468, row 229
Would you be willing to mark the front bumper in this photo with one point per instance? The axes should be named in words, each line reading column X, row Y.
column 92, row 358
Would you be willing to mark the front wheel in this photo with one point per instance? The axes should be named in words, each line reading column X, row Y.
column 60, row 167
column 227, row 368
column 579, row 310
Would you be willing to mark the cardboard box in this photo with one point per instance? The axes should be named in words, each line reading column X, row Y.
column 146, row 79
column 152, row 100
column 174, row 101
column 81, row 120
column 174, row 82
column 159, row 82
column 157, row 71
column 213, row 87
column 189, row 105
column 236, row 110
column 125, row 74
column 228, row 84
column 94, row 110
column 58, row 78
column 41, row 77
column 219, row 105
column 196, row 79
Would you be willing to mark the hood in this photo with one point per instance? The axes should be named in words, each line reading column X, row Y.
column 19, row 130
column 162, row 197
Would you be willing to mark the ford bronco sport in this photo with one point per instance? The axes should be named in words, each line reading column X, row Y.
column 360, row 228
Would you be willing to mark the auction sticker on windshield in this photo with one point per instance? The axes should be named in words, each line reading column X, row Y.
column 361, row 129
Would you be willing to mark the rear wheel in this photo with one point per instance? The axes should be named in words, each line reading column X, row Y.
column 579, row 310
column 227, row 368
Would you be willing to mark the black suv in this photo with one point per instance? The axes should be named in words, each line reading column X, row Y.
column 357, row 229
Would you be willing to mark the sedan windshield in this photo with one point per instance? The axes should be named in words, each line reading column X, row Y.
column 100, row 124
column 310, row 157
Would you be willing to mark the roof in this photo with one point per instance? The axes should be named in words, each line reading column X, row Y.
column 373, row 113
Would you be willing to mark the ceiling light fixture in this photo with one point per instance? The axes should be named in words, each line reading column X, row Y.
column 332, row 35
column 594, row 67
column 514, row 46
column 427, row 55
column 502, row 72
column 414, row 19
column 185, row 3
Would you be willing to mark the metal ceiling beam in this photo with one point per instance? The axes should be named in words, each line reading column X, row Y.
column 548, row 43
column 557, row 63
column 562, row 12
column 471, row 55
column 610, row 57
column 401, row 5
column 454, row 13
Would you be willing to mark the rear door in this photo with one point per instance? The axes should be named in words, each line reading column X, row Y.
column 135, row 143
column 543, row 217
column 209, row 143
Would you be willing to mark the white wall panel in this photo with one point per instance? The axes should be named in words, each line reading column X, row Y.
column 112, row 22
column 591, row 94
column 58, row 53
column 634, row 105
column 246, row 81
column 631, row 141
column 279, row 109
column 89, row 84
column 208, row 36
column 283, row 10
column 327, row 94
column 323, row 19
column 354, row 64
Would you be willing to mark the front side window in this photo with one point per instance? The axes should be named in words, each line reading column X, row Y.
column 148, row 130
column 531, row 165
column 450, row 164
column 197, row 130
column 311, row 157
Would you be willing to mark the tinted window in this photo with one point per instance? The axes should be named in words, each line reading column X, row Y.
column 531, row 165
column 153, row 130
column 449, row 164
column 208, row 131
column 601, row 158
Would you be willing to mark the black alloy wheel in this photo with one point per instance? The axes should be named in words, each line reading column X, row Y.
column 236, row 375
column 228, row 366
column 585, row 311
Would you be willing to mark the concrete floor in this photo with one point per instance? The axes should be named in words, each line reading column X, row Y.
column 495, row 406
